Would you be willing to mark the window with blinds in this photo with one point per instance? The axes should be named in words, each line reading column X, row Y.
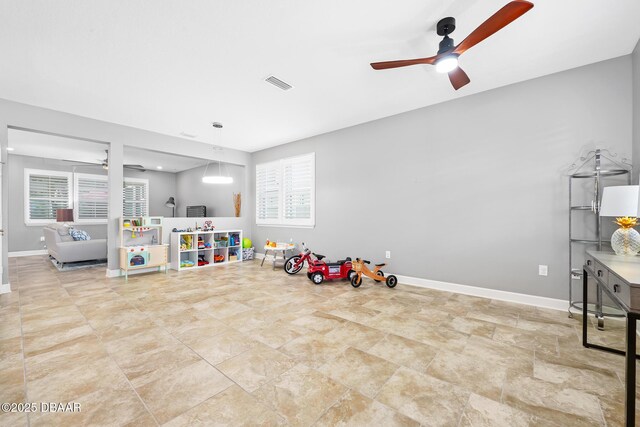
column 285, row 192
column 135, row 200
column 45, row 193
column 91, row 198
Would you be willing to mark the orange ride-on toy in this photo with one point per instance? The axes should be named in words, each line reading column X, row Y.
column 360, row 268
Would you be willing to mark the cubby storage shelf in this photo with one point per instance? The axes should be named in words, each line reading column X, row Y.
column 179, row 256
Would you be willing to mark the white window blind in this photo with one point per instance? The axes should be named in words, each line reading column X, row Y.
column 135, row 200
column 285, row 192
column 91, row 198
column 268, row 192
column 45, row 193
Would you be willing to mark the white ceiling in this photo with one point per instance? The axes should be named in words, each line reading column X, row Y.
column 56, row 147
column 172, row 66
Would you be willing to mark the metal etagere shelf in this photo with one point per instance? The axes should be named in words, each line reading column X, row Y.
column 589, row 167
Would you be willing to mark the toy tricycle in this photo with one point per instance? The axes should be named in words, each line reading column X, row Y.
column 319, row 271
column 360, row 268
column 294, row 264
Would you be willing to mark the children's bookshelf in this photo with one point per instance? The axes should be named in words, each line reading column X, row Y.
column 191, row 250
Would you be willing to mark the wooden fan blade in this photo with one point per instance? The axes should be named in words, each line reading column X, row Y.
column 84, row 163
column 509, row 13
column 402, row 63
column 458, row 78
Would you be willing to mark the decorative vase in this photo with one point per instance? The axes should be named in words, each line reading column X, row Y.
column 625, row 240
column 237, row 202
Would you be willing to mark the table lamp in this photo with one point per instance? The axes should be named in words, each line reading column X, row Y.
column 622, row 202
column 64, row 215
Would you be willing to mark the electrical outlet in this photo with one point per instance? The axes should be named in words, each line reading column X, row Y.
column 387, row 254
column 543, row 270
column 42, row 238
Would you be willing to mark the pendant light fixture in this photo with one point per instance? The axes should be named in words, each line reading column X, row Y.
column 219, row 178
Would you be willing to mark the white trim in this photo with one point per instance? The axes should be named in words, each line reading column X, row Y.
column 544, row 302
column 285, row 226
column 5, row 288
column 16, row 254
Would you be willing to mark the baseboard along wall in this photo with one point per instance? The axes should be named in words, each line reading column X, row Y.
column 537, row 301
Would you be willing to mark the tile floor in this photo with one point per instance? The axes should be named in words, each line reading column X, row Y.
column 244, row 345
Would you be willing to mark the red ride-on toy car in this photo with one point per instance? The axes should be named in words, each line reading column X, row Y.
column 319, row 271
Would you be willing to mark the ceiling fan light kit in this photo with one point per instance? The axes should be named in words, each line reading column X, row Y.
column 446, row 60
column 446, row 63
column 216, row 179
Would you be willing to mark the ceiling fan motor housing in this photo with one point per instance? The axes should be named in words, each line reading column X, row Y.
column 446, row 26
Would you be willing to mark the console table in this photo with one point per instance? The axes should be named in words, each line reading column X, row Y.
column 619, row 277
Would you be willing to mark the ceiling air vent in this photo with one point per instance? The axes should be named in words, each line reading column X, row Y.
column 278, row 83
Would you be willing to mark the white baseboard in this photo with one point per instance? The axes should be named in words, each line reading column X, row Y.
column 5, row 288
column 544, row 302
column 28, row 253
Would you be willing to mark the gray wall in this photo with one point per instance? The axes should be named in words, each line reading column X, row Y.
column 635, row 58
column 218, row 199
column 27, row 238
column 471, row 191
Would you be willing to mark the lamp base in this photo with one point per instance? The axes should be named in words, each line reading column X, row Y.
column 625, row 241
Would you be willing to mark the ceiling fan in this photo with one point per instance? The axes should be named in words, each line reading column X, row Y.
column 104, row 164
column 446, row 60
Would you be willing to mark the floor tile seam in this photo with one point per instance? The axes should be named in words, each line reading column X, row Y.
column 208, row 363
column 375, row 396
column 204, row 401
column 274, row 379
column 144, row 404
column 348, row 389
column 24, row 360
column 464, row 409
column 603, row 419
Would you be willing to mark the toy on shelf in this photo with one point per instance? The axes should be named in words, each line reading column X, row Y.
column 207, row 245
column 202, row 261
column 208, row 226
column 186, row 242
column 200, row 242
column 186, row 263
column 218, row 258
column 360, row 268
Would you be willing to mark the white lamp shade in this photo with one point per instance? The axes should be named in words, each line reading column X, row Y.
column 620, row 201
